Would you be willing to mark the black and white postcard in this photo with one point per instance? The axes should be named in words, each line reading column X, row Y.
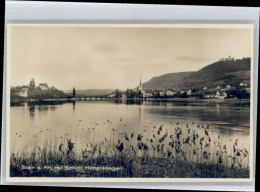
column 118, row 102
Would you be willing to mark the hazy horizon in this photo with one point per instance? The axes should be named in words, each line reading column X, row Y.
column 116, row 57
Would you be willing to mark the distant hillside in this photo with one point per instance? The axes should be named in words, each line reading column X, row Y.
column 224, row 79
column 92, row 92
column 218, row 73
column 170, row 80
column 221, row 67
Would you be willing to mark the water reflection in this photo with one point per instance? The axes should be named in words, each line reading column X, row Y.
column 42, row 106
column 13, row 104
column 223, row 115
column 74, row 105
column 229, row 120
column 31, row 107
column 52, row 107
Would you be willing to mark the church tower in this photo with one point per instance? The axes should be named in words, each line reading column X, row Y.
column 140, row 86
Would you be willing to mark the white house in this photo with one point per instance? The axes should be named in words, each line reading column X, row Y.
column 247, row 89
column 189, row 92
column 124, row 96
column 217, row 94
column 241, row 84
column 147, row 94
column 221, row 95
column 170, row 93
column 23, row 92
column 228, row 87
column 161, row 93
column 112, row 95
column 209, row 96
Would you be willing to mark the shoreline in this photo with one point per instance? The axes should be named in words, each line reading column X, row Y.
column 125, row 100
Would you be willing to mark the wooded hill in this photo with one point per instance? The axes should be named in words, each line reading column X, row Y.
column 218, row 73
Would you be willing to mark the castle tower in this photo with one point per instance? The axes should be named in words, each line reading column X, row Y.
column 32, row 83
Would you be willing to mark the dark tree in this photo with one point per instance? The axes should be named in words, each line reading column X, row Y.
column 74, row 92
column 35, row 93
column 184, row 95
column 15, row 91
column 117, row 94
column 130, row 93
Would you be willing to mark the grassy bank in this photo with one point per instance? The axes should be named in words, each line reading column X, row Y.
column 187, row 151
column 124, row 167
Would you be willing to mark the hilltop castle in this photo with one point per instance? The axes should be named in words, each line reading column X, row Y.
column 227, row 59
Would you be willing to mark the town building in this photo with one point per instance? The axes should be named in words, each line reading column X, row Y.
column 23, row 92
column 148, row 93
column 111, row 96
column 209, row 96
column 228, row 87
column 124, row 96
column 227, row 59
column 189, row 92
column 170, row 93
column 221, row 95
column 140, row 88
column 217, row 94
column 230, row 58
column 224, row 94
column 241, row 84
column 162, row 93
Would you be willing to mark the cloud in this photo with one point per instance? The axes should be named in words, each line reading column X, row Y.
column 115, row 57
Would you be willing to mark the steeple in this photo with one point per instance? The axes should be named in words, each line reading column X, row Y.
column 140, row 86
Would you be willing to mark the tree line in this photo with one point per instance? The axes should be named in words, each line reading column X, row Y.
column 37, row 92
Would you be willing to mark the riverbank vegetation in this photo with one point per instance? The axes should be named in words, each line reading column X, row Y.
column 175, row 151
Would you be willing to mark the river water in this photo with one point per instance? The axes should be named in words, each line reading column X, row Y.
column 33, row 123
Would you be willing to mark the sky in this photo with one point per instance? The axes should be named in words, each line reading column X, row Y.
column 116, row 57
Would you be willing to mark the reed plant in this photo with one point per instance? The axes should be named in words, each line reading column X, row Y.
column 174, row 150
